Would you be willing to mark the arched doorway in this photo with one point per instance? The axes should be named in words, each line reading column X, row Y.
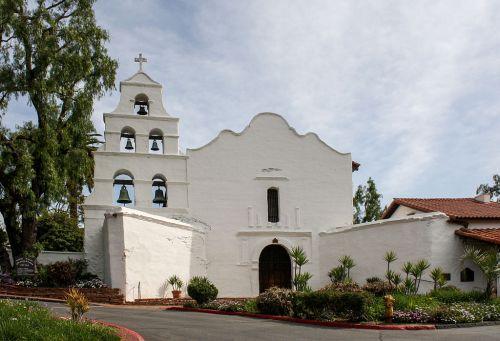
column 275, row 268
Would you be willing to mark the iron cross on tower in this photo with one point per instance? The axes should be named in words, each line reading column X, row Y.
column 140, row 60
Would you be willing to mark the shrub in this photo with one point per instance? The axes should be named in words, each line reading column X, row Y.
column 224, row 305
column 380, row 288
column 447, row 295
column 413, row 302
column 250, row 306
column 342, row 287
column 330, row 304
column 202, row 290
column 64, row 274
column 375, row 311
column 276, row 301
column 373, row 279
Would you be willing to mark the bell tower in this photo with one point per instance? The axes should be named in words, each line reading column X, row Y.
column 139, row 165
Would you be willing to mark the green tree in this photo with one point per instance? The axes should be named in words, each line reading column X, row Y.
column 5, row 265
column 358, row 205
column 493, row 189
column 367, row 203
column 58, row 231
column 52, row 54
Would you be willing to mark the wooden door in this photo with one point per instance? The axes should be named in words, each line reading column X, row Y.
column 275, row 268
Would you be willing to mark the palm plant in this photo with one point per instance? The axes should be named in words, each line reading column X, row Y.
column 389, row 257
column 407, row 268
column 487, row 261
column 348, row 263
column 299, row 258
column 337, row 274
column 437, row 277
column 175, row 282
column 417, row 272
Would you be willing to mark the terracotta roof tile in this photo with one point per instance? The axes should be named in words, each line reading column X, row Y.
column 455, row 208
column 486, row 235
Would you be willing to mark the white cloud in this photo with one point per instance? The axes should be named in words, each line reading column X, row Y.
column 410, row 88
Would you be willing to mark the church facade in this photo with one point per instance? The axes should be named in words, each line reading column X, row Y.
column 232, row 209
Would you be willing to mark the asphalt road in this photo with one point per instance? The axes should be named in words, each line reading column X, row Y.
column 156, row 324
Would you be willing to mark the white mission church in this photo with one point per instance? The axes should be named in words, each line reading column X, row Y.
column 232, row 209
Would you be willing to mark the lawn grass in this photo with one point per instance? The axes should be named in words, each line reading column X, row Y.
column 31, row 321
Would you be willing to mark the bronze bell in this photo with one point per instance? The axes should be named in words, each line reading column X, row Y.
column 124, row 197
column 129, row 146
column 154, row 146
column 142, row 110
column 159, row 197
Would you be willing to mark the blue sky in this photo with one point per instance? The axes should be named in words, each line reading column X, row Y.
column 411, row 89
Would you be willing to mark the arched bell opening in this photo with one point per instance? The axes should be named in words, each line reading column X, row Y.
column 159, row 191
column 156, row 141
column 123, row 189
column 275, row 268
column 127, row 140
column 141, row 105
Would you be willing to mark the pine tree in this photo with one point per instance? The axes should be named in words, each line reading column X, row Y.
column 373, row 209
column 358, row 205
column 53, row 54
column 366, row 203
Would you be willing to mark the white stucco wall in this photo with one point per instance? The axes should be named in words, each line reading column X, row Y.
column 404, row 211
column 143, row 250
column 422, row 236
column 229, row 179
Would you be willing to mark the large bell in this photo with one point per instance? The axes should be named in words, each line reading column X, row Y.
column 142, row 110
column 159, row 197
column 129, row 146
column 124, row 197
column 154, row 146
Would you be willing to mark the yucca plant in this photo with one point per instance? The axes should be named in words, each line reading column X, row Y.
column 348, row 263
column 389, row 257
column 487, row 261
column 337, row 274
column 437, row 277
column 77, row 303
column 299, row 258
column 407, row 268
column 418, row 270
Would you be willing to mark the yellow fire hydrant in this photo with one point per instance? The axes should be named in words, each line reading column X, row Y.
column 389, row 308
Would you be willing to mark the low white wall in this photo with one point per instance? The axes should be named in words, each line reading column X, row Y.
column 427, row 236
column 47, row 257
column 143, row 250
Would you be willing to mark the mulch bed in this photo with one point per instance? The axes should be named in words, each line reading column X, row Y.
column 101, row 295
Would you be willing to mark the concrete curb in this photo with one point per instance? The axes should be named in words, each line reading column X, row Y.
column 125, row 333
column 351, row 325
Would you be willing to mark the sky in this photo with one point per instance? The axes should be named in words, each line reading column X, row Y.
column 411, row 89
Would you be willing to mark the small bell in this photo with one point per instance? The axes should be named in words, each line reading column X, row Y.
column 159, row 197
column 129, row 146
column 142, row 110
column 154, row 146
column 124, row 197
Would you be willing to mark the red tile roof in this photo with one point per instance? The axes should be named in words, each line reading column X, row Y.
column 455, row 208
column 484, row 235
